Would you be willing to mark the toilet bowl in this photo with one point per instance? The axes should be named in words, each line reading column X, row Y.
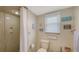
column 43, row 46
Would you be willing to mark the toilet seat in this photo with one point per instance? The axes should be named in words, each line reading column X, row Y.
column 42, row 50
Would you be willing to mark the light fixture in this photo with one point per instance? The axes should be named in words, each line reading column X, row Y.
column 17, row 13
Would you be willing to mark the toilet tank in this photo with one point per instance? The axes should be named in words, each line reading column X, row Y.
column 44, row 44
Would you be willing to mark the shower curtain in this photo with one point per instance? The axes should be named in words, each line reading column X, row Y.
column 76, row 41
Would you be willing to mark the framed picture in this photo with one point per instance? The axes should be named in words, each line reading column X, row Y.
column 67, row 26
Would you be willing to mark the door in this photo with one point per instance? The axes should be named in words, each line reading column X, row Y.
column 12, row 32
column 9, row 32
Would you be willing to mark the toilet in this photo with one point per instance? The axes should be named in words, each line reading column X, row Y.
column 43, row 45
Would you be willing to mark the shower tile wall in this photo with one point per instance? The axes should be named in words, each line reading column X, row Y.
column 9, row 36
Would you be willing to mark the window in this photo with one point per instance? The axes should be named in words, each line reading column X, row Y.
column 52, row 23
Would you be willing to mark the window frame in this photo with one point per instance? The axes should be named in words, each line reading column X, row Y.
column 59, row 18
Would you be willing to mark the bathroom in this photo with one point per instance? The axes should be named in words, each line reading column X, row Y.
column 62, row 41
column 27, row 27
column 39, row 29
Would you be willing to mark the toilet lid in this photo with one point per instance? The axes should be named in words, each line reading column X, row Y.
column 42, row 50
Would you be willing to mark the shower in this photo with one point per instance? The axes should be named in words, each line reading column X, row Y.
column 9, row 29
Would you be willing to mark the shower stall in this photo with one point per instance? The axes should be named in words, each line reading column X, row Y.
column 9, row 29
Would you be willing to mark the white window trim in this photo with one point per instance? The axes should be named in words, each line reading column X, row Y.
column 53, row 14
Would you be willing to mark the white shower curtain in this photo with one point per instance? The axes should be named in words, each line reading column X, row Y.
column 76, row 41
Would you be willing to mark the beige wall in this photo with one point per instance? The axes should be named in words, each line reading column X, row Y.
column 76, row 17
column 31, row 30
column 64, row 39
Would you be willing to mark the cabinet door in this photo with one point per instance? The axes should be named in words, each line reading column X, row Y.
column 12, row 32
column 2, row 38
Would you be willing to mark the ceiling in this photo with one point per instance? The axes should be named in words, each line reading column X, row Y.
column 10, row 9
column 39, row 10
